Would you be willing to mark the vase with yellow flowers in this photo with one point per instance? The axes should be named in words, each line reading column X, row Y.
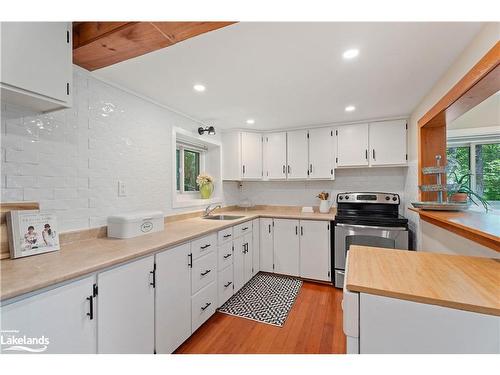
column 324, row 205
column 206, row 185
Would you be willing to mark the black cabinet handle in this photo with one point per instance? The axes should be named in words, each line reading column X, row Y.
column 228, row 283
column 288, row 169
column 153, row 272
column 284, row 169
column 205, row 273
column 366, row 154
column 296, row 230
column 90, row 314
column 227, row 236
column 206, row 306
column 311, row 168
column 204, row 247
column 269, row 228
column 244, row 228
column 373, row 151
column 301, row 231
column 243, row 169
column 227, row 256
column 190, row 262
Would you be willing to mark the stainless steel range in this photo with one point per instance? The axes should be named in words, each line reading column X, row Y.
column 369, row 219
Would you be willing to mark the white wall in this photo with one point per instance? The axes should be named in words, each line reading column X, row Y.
column 303, row 193
column 71, row 160
column 487, row 37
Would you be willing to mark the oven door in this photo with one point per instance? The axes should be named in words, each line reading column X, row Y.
column 350, row 234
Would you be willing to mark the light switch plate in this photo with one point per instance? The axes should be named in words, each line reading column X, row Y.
column 122, row 189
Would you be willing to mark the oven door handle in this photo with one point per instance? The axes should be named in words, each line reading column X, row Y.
column 370, row 227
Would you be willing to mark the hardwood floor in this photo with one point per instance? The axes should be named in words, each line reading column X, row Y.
column 314, row 325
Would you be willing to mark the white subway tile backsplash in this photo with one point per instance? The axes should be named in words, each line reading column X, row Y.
column 36, row 194
column 70, row 193
column 20, row 181
column 51, row 182
column 12, row 195
column 25, row 156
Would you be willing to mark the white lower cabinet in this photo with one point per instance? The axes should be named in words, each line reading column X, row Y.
column 61, row 315
column 256, row 246
column 225, row 285
column 125, row 308
column 204, row 272
column 286, row 247
column 266, row 257
column 203, row 305
column 315, row 250
column 173, row 298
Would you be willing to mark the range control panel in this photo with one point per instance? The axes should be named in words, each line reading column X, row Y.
column 352, row 197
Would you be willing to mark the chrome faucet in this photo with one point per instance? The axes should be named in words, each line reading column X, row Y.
column 209, row 210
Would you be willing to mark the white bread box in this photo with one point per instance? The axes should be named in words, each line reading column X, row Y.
column 136, row 223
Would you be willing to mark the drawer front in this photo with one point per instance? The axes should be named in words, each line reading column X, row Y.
column 204, row 272
column 225, row 235
column 203, row 305
column 225, row 257
column 225, row 285
column 203, row 245
column 241, row 229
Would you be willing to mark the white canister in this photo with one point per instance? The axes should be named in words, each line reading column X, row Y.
column 133, row 224
column 324, row 207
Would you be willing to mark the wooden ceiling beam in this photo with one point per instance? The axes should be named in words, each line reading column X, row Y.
column 100, row 44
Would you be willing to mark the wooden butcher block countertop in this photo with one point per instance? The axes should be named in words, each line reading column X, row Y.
column 456, row 281
column 75, row 259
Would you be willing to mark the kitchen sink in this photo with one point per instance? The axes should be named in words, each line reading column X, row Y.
column 223, row 217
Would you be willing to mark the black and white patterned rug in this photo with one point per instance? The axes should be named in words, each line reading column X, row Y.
column 265, row 298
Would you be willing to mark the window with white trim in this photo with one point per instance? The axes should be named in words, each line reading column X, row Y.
column 189, row 163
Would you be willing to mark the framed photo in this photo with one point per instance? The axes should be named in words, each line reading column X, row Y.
column 31, row 232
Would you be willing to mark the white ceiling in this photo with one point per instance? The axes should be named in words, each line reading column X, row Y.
column 293, row 74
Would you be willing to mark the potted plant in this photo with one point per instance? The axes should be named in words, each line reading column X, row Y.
column 460, row 191
column 324, row 206
column 206, row 184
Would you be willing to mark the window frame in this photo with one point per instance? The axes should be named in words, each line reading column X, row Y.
column 181, row 148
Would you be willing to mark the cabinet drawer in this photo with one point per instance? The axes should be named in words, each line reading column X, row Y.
column 203, row 305
column 225, row 235
column 204, row 272
column 225, row 285
column 241, row 229
column 225, row 255
column 203, row 245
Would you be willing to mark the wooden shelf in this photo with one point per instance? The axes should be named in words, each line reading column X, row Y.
column 480, row 227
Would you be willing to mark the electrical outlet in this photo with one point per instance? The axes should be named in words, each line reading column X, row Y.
column 122, row 189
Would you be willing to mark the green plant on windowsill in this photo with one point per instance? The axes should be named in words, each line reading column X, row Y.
column 460, row 190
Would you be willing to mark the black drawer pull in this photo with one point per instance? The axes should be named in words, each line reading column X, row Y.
column 244, row 228
column 228, row 283
column 227, row 255
column 190, row 261
column 206, row 306
column 227, row 235
column 90, row 314
column 205, row 273
column 204, row 247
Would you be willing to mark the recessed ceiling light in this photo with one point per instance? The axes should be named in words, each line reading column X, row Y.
column 199, row 88
column 350, row 108
column 350, row 53
column 250, row 121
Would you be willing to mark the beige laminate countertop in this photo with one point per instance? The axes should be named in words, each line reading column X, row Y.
column 460, row 282
column 24, row 275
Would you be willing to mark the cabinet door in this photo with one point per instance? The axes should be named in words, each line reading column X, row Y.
column 225, row 285
column 125, row 308
column 286, row 247
column 388, row 143
column 352, row 145
column 37, row 57
column 315, row 250
column 239, row 263
column 275, row 156
column 248, row 242
column 231, row 156
column 251, row 155
column 266, row 257
column 59, row 314
column 173, row 298
column 256, row 246
column 321, row 153
column 297, row 154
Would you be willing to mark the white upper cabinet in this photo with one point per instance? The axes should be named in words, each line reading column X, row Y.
column 242, row 156
column 321, row 155
column 275, row 156
column 251, row 156
column 297, row 155
column 36, row 64
column 352, row 145
column 388, row 143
